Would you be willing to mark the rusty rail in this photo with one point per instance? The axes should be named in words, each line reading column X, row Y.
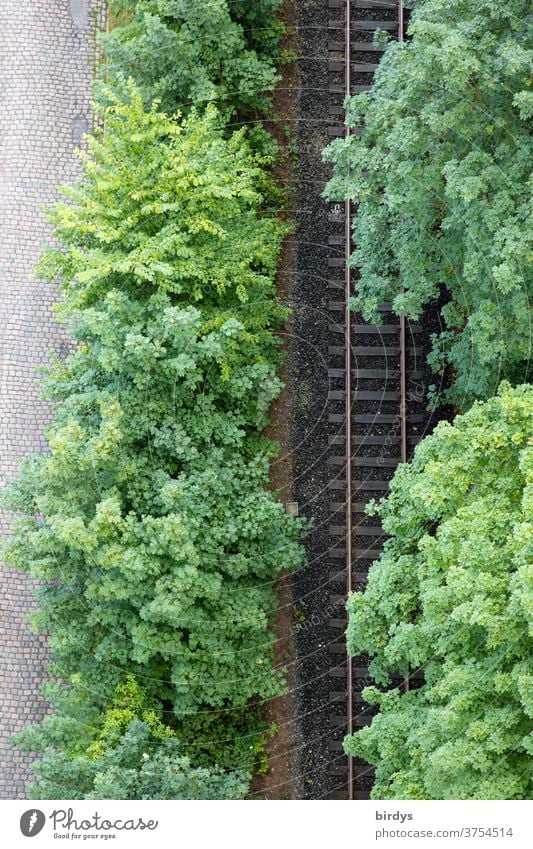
column 365, row 410
column 348, row 391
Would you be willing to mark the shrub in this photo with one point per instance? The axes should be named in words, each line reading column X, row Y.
column 452, row 596
column 442, row 181
column 150, row 521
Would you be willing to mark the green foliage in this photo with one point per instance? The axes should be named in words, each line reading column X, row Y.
column 126, row 753
column 129, row 702
column 184, row 220
column 452, row 595
column 184, row 53
column 150, row 522
column 442, row 180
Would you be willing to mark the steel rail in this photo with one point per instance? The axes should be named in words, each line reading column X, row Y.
column 348, row 385
column 403, row 348
column 403, row 323
column 348, row 396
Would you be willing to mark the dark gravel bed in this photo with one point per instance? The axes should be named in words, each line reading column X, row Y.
column 316, row 426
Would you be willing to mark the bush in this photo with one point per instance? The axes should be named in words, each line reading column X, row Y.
column 452, row 596
column 150, row 521
column 184, row 53
column 442, row 180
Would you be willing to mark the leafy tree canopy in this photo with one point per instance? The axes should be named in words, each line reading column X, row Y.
column 452, row 596
column 150, row 521
column 126, row 752
column 186, row 220
column 442, row 181
column 183, row 53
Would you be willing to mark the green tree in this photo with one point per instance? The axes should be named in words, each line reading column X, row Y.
column 442, row 181
column 187, row 219
column 126, row 752
column 184, row 53
column 150, row 521
column 452, row 595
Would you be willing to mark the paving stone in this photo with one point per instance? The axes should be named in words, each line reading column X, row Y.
column 47, row 60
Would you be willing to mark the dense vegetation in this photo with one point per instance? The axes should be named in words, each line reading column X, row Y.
column 185, row 53
column 452, row 595
column 442, row 179
column 150, row 521
column 124, row 752
column 441, row 176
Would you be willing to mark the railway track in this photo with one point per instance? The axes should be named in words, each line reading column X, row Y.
column 376, row 397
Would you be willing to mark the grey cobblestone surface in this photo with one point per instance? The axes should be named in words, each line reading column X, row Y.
column 47, row 60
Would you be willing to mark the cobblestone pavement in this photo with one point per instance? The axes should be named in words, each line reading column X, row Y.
column 47, row 60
